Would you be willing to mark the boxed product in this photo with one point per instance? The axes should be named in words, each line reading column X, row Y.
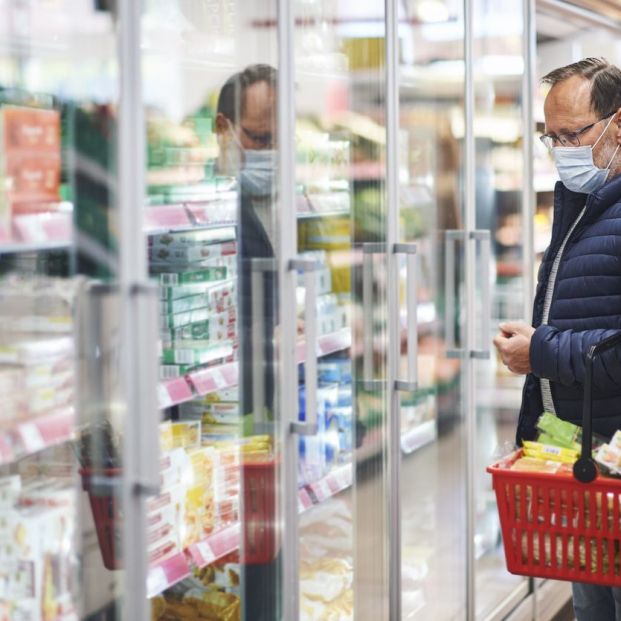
column 193, row 239
column 189, row 253
column 202, row 275
column 190, row 354
column 30, row 163
column 214, row 326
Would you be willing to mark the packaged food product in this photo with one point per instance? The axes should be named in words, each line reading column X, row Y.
column 196, row 355
column 548, row 452
column 186, row 434
column 563, row 433
column 206, row 274
column 190, row 253
column 536, row 464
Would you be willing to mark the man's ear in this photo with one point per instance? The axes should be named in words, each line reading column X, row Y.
column 222, row 123
column 617, row 120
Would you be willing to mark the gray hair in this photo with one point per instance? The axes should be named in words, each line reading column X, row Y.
column 605, row 79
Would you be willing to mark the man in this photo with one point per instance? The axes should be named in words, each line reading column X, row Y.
column 246, row 130
column 578, row 299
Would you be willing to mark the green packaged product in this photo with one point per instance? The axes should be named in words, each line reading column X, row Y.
column 207, row 274
column 563, row 433
column 196, row 355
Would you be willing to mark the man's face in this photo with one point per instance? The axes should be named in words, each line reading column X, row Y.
column 567, row 108
column 256, row 129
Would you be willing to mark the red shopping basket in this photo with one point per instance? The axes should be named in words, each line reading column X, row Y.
column 259, row 536
column 103, row 488
column 562, row 526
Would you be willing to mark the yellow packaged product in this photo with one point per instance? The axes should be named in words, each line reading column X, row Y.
column 550, row 453
column 186, row 434
column 166, row 436
column 535, row 464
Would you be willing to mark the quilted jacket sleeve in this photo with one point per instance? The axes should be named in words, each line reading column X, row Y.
column 559, row 356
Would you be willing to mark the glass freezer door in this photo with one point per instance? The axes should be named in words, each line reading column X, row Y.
column 340, row 202
column 211, row 82
column 502, row 260
column 66, row 504
column 429, row 153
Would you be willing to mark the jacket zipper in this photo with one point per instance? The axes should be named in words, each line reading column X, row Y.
column 545, row 385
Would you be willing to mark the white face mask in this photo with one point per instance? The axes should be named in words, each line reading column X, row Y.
column 257, row 174
column 577, row 170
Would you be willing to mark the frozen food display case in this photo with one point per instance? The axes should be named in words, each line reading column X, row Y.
column 251, row 259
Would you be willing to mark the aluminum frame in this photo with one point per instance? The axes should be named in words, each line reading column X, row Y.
column 288, row 379
column 393, row 457
column 139, row 320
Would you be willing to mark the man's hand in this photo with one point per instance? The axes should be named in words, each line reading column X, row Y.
column 513, row 345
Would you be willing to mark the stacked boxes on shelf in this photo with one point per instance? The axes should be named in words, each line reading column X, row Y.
column 197, row 275
column 36, row 566
column 333, row 443
column 30, row 162
column 181, row 160
column 36, row 348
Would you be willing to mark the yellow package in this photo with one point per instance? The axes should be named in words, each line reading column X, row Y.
column 535, row 464
column 202, row 464
column 166, row 437
column 158, row 608
column 186, row 434
column 549, row 452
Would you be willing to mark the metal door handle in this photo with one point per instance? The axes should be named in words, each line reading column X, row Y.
column 308, row 267
column 450, row 239
column 483, row 236
column 258, row 268
column 368, row 250
column 411, row 381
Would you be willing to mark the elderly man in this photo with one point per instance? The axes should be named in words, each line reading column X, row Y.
column 578, row 299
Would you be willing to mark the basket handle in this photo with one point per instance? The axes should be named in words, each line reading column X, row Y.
column 585, row 470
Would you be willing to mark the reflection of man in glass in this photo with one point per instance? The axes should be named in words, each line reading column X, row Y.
column 246, row 129
column 246, row 126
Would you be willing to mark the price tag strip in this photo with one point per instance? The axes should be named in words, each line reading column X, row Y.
column 167, row 573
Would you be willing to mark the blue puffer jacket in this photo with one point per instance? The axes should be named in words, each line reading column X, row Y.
column 586, row 307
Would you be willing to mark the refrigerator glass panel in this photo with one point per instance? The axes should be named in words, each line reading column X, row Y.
column 340, row 176
column 499, row 177
column 210, row 93
column 62, row 418
column 430, row 211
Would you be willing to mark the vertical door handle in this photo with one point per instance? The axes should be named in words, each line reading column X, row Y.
column 258, row 268
column 450, row 241
column 146, row 298
column 410, row 383
column 368, row 250
column 308, row 267
column 483, row 236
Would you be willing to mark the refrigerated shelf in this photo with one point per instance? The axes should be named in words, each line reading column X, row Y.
column 204, row 381
column 38, row 232
column 28, row 437
column 217, row 545
column 417, row 437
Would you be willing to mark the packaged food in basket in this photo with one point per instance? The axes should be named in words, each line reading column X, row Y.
column 550, row 452
column 562, row 433
column 538, row 464
column 608, row 457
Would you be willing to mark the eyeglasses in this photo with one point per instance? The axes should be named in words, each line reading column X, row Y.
column 265, row 141
column 569, row 139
